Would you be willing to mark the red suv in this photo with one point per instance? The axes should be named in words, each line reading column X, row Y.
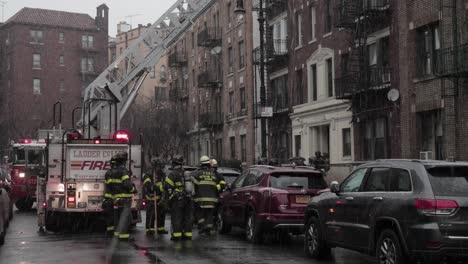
column 266, row 198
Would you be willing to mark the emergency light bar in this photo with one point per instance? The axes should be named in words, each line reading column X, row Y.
column 122, row 135
column 25, row 141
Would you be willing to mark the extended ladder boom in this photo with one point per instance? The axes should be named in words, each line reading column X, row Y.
column 122, row 79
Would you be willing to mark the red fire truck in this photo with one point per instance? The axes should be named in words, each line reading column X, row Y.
column 25, row 157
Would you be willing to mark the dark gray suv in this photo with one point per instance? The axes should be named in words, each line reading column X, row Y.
column 401, row 211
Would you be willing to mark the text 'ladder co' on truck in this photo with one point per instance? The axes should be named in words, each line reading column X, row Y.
column 73, row 185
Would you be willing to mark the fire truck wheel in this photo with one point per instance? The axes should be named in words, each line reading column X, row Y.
column 24, row 204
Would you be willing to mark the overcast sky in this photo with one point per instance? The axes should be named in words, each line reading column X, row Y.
column 143, row 11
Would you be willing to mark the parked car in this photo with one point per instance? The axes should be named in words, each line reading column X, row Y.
column 6, row 205
column 266, row 198
column 229, row 175
column 397, row 210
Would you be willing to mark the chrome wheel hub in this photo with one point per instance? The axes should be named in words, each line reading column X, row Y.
column 387, row 252
column 312, row 238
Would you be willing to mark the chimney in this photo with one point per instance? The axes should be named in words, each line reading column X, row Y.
column 102, row 18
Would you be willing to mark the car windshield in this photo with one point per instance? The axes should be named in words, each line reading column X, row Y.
column 449, row 180
column 229, row 177
column 296, row 180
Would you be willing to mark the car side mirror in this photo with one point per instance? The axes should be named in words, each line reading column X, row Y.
column 228, row 187
column 334, row 187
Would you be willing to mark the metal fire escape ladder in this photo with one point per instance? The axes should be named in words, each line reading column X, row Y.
column 123, row 78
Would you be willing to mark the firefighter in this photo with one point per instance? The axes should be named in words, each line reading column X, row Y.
column 207, row 187
column 153, row 192
column 122, row 194
column 214, row 167
column 108, row 202
column 179, row 193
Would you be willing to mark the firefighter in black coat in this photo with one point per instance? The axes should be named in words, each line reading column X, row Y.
column 180, row 200
column 153, row 193
column 207, row 186
column 122, row 190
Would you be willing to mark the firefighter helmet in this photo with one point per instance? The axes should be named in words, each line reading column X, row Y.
column 204, row 160
column 178, row 160
column 120, row 157
column 214, row 163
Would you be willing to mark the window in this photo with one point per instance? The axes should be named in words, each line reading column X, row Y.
column 378, row 180
column 320, row 136
column 87, row 41
column 243, row 148
column 61, row 60
column 297, row 143
column 242, row 99
column 372, row 50
column 346, row 142
column 353, row 182
column 400, row 181
column 193, row 40
column 313, row 20
column 240, row 180
column 328, row 16
column 375, row 139
column 36, row 86
column 449, row 180
column 231, row 102
column 299, row 94
column 344, row 63
column 298, row 181
column 230, row 59
column 330, row 77
column 428, row 42
column 314, row 82
column 61, row 37
column 241, row 55
column 87, row 64
column 229, row 14
column 299, row 29
column 232, row 142
column 431, row 133
column 62, row 86
column 219, row 147
column 36, row 36
column 36, row 61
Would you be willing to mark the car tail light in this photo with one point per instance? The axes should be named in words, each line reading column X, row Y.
column 143, row 204
column 71, row 201
column 44, row 205
column 433, row 244
column 436, row 207
column 21, row 174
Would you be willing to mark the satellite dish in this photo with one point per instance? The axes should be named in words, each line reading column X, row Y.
column 216, row 50
column 393, row 95
column 185, row 76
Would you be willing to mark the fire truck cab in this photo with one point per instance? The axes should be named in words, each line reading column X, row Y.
column 25, row 158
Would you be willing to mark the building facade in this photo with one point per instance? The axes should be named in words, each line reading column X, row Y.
column 433, row 64
column 320, row 121
column 48, row 56
column 212, row 75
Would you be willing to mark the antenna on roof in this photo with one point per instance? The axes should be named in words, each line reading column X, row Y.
column 3, row 4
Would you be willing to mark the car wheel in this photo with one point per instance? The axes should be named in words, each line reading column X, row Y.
column 388, row 250
column 253, row 229
column 51, row 221
column 223, row 227
column 314, row 244
column 24, row 204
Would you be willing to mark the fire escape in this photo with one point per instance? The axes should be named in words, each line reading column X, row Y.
column 365, row 85
column 211, row 75
column 276, row 57
column 178, row 64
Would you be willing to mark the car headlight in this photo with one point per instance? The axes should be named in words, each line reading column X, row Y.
column 22, row 174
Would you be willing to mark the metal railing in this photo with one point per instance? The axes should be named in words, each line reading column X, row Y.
column 210, row 119
column 275, row 49
column 351, row 83
column 348, row 12
column 178, row 93
column 452, row 61
column 210, row 37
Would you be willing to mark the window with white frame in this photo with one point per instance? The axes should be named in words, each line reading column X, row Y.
column 36, row 61
column 87, row 64
column 36, row 86
column 87, row 41
column 299, row 29
column 61, row 37
column 62, row 86
column 313, row 20
column 346, row 142
column 36, row 36
column 62, row 60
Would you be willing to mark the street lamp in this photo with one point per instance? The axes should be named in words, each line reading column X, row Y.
column 240, row 11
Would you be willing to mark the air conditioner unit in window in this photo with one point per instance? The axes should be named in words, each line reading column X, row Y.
column 425, row 155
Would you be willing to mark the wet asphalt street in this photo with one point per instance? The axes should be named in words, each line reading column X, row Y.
column 24, row 245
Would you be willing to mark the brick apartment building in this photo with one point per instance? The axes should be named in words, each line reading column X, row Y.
column 212, row 75
column 47, row 56
column 433, row 72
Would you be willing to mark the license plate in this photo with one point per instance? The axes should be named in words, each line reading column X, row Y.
column 302, row 199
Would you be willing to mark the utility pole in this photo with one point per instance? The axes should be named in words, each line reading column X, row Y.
column 3, row 4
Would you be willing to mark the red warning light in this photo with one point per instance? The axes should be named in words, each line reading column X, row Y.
column 121, row 135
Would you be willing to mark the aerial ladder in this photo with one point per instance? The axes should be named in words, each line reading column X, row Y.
column 108, row 98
